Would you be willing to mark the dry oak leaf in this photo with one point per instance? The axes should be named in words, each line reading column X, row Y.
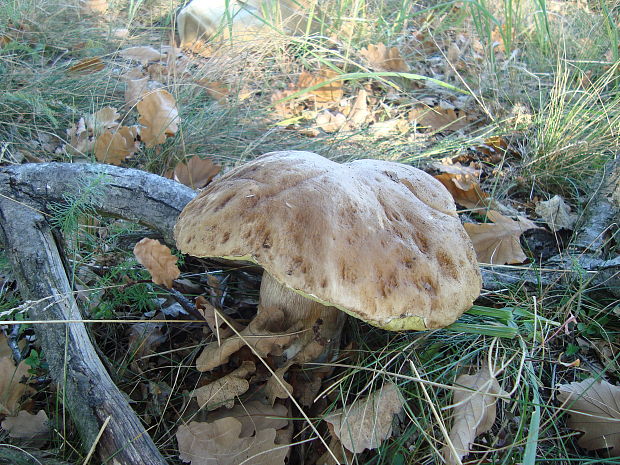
column 277, row 387
column 220, row 443
column 158, row 260
column 158, row 116
column 80, row 140
column 326, row 94
column 382, row 58
column 142, row 54
column 27, row 426
column 94, row 6
column 87, row 66
column 594, row 408
column 438, row 118
column 498, row 243
column 225, row 390
column 216, row 89
column 556, row 213
column 196, row 173
column 114, row 147
column 367, row 422
column 474, row 412
column 330, row 121
column 11, row 389
column 254, row 416
column 136, row 86
column 102, row 120
column 465, row 189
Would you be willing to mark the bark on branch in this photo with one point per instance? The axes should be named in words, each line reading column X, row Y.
column 26, row 193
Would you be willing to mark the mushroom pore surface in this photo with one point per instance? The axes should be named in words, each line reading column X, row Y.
column 379, row 240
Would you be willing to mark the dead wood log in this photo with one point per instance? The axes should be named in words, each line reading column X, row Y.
column 26, row 193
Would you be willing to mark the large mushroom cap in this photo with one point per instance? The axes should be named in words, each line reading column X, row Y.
column 379, row 240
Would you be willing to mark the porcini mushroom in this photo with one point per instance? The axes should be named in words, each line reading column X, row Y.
column 378, row 240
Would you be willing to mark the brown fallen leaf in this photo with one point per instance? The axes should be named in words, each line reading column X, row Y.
column 223, row 391
column 216, row 89
column 142, row 54
column 196, row 172
column 330, row 121
column 81, row 140
column 336, row 449
column 158, row 260
column 145, row 337
column 87, row 66
column 556, row 213
column 158, row 116
column 382, row 58
column 11, row 388
column 94, row 6
column 438, row 118
column 115, row 147
column 27, row 426
column 254, row 416
column 389, row 128
column 465, row 190
column 474, row 412
column 327, row 94
column 498, row 243
column 277, row 387
column 220, row 443
column 594, row 408
column 136, row 87
column 102, row 120
column 367, row 422
column 358, row 113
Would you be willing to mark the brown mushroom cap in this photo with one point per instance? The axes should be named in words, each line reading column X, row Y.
column 379, row 240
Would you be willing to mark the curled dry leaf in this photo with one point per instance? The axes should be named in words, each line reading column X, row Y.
column 226, row 389
column 594, row 408
column 367, row 422
column 465, row 190
column 382, row 58
column 80, row 140
column 26, row 425
column 158, row 116
column 196, row 173
column 220, row 443
column 474, row 412
column 556, row 213
column 87, row 66
column 438, row 118
column 114, row 147
column 158, row 260
column 498, row 243
column 358, row 113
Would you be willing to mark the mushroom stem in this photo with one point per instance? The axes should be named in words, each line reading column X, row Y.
column 319, row 323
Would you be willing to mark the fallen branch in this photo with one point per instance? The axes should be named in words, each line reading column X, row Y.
column 26, row 193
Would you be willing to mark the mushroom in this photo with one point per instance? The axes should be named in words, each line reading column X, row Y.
column 378, row 240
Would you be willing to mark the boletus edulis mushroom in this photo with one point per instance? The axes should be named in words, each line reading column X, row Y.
column 380, row 241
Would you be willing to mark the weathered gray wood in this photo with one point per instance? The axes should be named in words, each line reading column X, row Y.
column 26, row 193
column 86, row 388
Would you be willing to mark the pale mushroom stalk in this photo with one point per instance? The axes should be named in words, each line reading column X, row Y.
column 303, row 328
